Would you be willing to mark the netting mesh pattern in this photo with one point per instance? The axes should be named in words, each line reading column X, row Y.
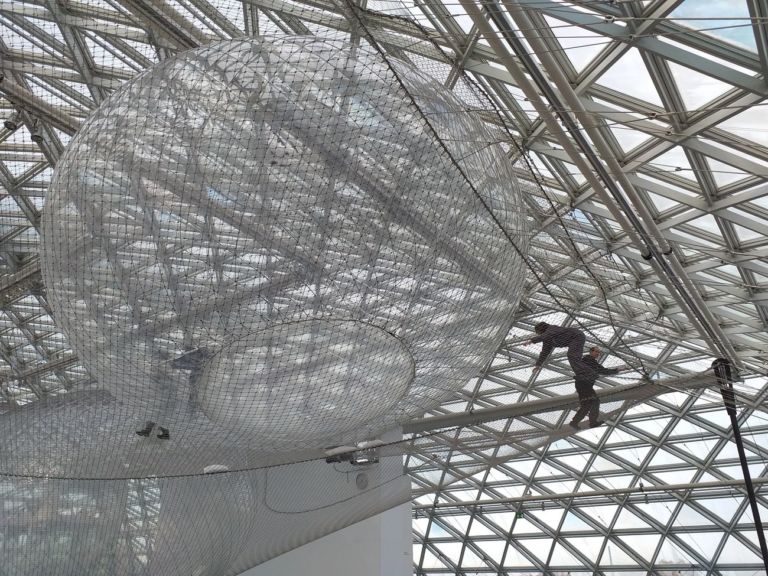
column 280, row 244
column 203, row 525
column 267, row 247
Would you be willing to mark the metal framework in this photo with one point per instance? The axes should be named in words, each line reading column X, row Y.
column 644, row 123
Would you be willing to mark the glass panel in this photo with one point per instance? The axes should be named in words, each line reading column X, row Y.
column 750, row 124
column 451, row 550
column 516, row 558
column 735, row 552
column 628, row 71
column 431, row 561
column 696, row 88
column 540, row 547
column 672, row 553
column 724, row 508
column 615, row 556
column 471, row 560
column 562, row 557
column 726, row 20
column 580, row 45
column 687, row 516
column 643, row 544
column 589, row 547
column 494, row 549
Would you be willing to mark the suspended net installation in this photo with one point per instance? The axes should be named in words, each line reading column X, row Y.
column 258, row 249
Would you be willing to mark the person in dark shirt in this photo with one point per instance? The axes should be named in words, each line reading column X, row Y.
column 563, row 337
column 589, row 402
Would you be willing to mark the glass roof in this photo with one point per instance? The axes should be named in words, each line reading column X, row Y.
column 639, row 119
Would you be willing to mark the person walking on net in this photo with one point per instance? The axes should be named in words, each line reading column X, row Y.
column 589, row 403
column 552, row 337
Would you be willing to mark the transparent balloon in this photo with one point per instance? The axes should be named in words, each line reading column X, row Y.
column 289, row 243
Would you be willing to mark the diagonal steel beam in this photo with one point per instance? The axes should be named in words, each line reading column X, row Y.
column 78, row 49
column 169, row 28
column 584, row 158
column 565, row 496
column 25, row 99
column 684, row 290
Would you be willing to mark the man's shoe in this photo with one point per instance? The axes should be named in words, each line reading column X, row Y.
column 596, row 424
column 574, row 425
column 147, row 430
column 164, row 434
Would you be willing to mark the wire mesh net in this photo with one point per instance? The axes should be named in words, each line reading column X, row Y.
column 246, row 233
column 259, row 249
column 217, row 524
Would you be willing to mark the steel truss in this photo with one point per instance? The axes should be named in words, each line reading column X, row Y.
column 623, row 170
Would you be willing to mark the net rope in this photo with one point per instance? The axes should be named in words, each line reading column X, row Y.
column 309, row 213
column 264, row 248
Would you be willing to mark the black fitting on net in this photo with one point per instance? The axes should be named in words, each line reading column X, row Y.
column 647, row 255
column 725, row 374
column 724, row 371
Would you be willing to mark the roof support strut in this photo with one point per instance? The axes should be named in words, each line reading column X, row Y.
column 629, row 201
column 587, row 494
column 591, row 165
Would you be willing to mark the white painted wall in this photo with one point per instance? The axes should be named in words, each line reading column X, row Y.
column 379, row 546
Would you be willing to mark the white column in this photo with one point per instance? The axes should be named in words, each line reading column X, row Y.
column 379, row 546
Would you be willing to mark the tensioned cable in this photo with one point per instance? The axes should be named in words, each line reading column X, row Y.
column 586, row 266
column 658, row 131
column 603, row 4
column 646, row 117
column 509, row 238
column 415, row 437
column 697, row 170
column 606, row 39
column 660, row 34
column 662, row 133
column 600, row 40
column 606, row 18
column 648, row 168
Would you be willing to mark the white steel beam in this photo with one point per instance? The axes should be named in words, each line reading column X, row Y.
column 685, row 292
column 566, row 496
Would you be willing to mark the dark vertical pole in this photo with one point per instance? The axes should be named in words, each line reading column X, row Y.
column 722, row 368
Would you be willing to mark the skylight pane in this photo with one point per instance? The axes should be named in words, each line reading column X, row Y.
column 629, row 75
column 697, row 89
column 727, row 20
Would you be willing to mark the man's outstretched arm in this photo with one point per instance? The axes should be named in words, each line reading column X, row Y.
column 599, row 368
column 546, row 350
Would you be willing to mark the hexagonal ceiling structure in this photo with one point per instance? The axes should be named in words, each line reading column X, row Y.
column 643, row 128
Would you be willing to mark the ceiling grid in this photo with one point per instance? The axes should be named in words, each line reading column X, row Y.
column 668, row 95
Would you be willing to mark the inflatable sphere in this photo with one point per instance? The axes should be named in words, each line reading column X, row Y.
column 298, row 240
